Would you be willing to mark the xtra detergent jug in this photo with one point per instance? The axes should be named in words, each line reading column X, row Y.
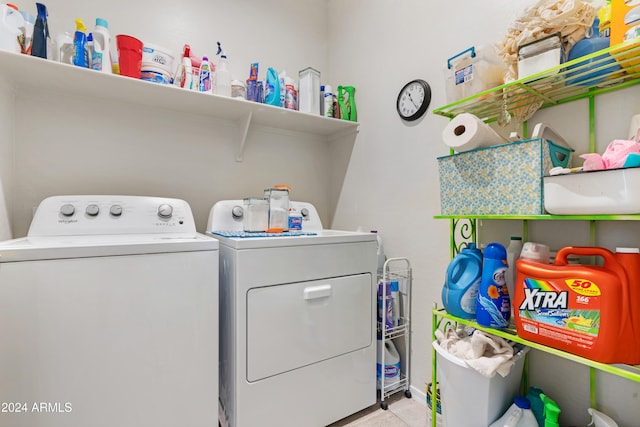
column 462, row 282
column 582, row 309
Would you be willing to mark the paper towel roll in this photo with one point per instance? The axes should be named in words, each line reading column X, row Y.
column 467, row 132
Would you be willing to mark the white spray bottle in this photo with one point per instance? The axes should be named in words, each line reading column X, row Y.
column 598, row 419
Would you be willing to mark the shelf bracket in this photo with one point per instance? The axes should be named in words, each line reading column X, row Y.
column 244, row 130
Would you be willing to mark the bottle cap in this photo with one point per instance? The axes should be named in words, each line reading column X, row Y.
column 522, row 402
column 495, row 251
column 80, row 25
column 102, row 23
column 535, row 252
column 516, row 238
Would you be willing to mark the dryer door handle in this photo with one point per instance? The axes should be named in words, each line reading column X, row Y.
column 314, row 292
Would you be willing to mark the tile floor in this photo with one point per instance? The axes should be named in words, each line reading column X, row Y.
column 402, row 412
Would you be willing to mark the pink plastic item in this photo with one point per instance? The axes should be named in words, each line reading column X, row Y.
column 614, row 156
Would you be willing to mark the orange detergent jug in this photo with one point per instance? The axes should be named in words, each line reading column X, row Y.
column 586, row 310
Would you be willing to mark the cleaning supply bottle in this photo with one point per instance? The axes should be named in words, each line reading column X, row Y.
column 342, row 107
column 493, row 307
column 223, row 75
column 350, row 103
column 11, row 22
column 536, row 404
column 80, row 58
column 327, row 101
column 204, row 82
column 380, row 253
column 518, row 415
column 40, row 33
column 462, row 283
column 551, row 412
column 291, row 94
column 513, row 253
column 101, row 58
column 282, row 79
column 391, row 363
column 272, row 88
column 598, row 419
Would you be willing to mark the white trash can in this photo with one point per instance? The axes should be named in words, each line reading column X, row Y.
column 470, row 399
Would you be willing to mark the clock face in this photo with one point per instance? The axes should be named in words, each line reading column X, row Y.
column 413, row 100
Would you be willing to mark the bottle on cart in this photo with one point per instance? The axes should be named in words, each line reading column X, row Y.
column 391, row 363
column 493, row 306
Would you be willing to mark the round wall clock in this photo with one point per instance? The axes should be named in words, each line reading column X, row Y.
column 413, row 100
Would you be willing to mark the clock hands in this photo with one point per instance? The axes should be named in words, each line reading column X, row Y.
column 411, row 99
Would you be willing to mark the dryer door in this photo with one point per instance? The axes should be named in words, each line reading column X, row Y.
column 294, row 325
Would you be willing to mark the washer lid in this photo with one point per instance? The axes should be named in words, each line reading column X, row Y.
column 57, row 247
column 321, row 237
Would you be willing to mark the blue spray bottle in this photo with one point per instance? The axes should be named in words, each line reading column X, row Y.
column 80, row 56
column 40, row 33
column 493, row 307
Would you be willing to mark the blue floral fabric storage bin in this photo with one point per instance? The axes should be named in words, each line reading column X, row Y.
column 501, row 180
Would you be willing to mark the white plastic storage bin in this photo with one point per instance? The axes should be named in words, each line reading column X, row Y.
column 472, row 71
column 604, row 192
column 468, row 398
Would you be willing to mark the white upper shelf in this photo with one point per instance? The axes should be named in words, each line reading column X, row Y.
column 25, row 71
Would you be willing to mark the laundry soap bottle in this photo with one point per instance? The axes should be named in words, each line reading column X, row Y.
column 223, row 75
column 462, row 283
column 80, row 57
column 519, row 414
column 40, row 33
column 101, row 57
column 493, row 306
column 391, row 370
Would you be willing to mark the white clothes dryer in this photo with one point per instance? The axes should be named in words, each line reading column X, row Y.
column 297, row 321
column 108, row 316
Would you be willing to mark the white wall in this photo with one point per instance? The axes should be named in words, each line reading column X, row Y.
column 392, row 180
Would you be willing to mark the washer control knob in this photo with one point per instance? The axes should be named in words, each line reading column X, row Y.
column 92, row 210
column 115, row 210
column 304, row 212
column 237, row 212
column 165, row 211
column 67, row 209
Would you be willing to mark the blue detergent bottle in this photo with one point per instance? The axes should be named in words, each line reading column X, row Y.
column 462, row 283
column 493, row 307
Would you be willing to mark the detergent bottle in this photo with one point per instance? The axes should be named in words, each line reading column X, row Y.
column 272, row 88
column 391, row 370
column 80, row 57
column 518, row 415
column 101, row 57
column 582, row 309
column 11, row 22
column 493, row 307
column 40, row 33
column 462, row 283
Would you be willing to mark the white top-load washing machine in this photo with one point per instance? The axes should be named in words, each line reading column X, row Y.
column 108, row 316
column 297, row 316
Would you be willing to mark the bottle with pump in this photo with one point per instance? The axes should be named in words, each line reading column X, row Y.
column 204, row 84
column 493, row 306
column 80, row 57
column 101, row 57
column 40, row 33
column 223, row 75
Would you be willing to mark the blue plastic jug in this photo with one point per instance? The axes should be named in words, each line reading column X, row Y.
column 462, row 283
column 592, row 69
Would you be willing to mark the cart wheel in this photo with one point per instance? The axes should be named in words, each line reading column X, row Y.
column 384, row 405
column 407, row 393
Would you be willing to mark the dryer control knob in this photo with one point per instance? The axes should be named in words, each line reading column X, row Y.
column 92, row 210
column 115, row 210
column 67, row 209
column 304, row 212
column 165, row 211
column 237, row 212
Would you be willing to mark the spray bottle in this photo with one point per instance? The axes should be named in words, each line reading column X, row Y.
column 223, row 75
column 100, row 58
column 40, row 33
column 80, row 45
column 598, row 419
column 350, row 103
column 551, row 412
column 342, row 107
